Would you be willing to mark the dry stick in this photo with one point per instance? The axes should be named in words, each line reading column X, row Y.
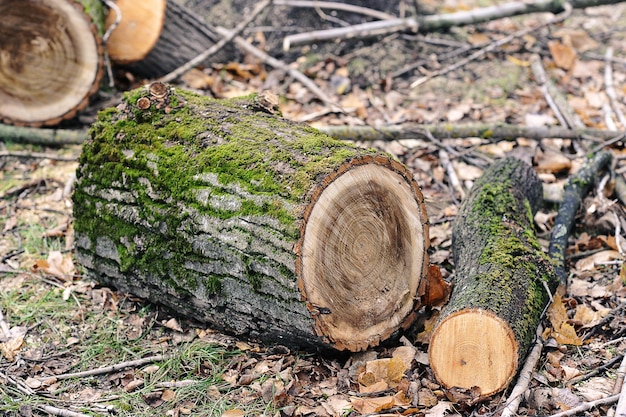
column 575, row 190
column 37, row 155
column 112, row 368
column 620, row 377
column 60, row 411
column 492, row 46
column 19, row 134
column 587, row 406
column 275, row 63
column 441, row 21
column 557, row 102
column 595, row 371
column 377, row 14
column 610, row 90
column 454, row 179
column 107, row 60
column 451, row 130
column 525, row 376
column 620, row 409
column 227, row 37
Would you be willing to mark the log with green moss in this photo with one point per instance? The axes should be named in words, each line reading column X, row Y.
column 262, row 227
column 51, row 59
column 501, row 286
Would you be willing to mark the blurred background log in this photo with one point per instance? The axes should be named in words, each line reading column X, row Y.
column 51, row 59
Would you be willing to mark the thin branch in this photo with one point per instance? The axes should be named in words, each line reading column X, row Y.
column 275, row 63
column 377, row 14
column 107, row 60
column 441, row 22
column 55, row 411
column 575, row 190
column 452, row 130
column 620, row 409
column 41, row 136
column 620, row 377
column 491, row 47
column 454, row 179
column 113, row 368
column 587, row 406
column 525, row 376
column 226, row 38
column 610, row 90
column 557, row 102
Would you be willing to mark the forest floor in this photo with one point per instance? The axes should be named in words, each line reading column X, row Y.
column 69, row 345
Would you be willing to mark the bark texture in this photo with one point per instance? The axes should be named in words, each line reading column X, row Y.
column 51, row 59
column 501, row 283
column 265, row 228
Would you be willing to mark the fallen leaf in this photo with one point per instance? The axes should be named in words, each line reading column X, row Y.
column 337, row 405
column 372, row 405
column 562, row 331
column 590, row 262
column 439, row 410
column 57, row 265
column 168, row 395
column 173, row 325
column 564, row 55
column 235, row 412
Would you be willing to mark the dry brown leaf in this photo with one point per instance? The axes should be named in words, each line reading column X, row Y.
column 577, row 38
column 336, row 405
column 406, row 354
column 553, row 161
column 564, row 55
column 57, row 265
column 435, row 290
column 372, row 405
column 478, row 38
column 589, row 263
column 173, row 325
column 196, row 79
column 562, row 331
column 235, row 412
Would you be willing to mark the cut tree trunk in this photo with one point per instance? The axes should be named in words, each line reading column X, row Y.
column 156, row 37
column 265, row 228
column 51, row 59
column 501, row 283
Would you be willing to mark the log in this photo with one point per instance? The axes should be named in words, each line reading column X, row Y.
column 262, row 227
column 51, row 59
column 156, row 37
column 501, row 283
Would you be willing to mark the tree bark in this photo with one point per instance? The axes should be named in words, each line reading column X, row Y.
column 265, row 228
column 501, row 283
column 51, row 59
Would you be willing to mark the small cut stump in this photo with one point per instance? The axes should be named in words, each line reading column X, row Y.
column 51, row 59
column 502, row 283
column 262, row 227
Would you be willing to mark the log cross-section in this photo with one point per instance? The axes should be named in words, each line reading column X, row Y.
column 51, row 59
column 265, row 228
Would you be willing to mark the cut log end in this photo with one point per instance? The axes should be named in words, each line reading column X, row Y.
column 363, row 253
column 50, row 61
column 138, row 30
column 474, row 348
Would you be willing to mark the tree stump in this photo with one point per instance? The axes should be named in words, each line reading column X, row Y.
column 50, row 59
column 265, row 228
column 501, row 283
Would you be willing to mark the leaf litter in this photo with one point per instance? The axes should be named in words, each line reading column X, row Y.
column 55, row 323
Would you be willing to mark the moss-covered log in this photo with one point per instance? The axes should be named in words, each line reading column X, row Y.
column 265, row 228
column 51, row 59
column 501, row 284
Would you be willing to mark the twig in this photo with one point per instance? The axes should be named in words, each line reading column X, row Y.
column 440, row 22
column 107, row 60
column 491, row 47
column 4, row 326
column 226, row 38
column 557, row 102
column 37, row 155
column 275, row 63
column 525, row 376
column 610, row 90
column 450, row 131
column 363, row 30
column 113, row 368
column 621, row 374
column 587, row 406
column 377, row 14
column 575, row 190
column 454, row 179
column 41, row 136
column 594, row 371
column 60, row 411
column 608, row 143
